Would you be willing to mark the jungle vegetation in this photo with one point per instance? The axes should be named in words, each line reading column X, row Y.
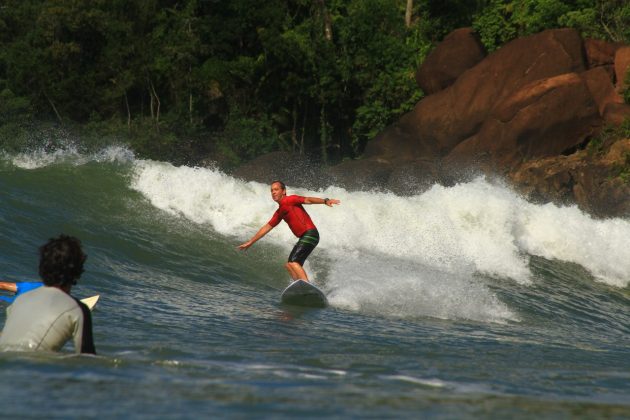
column 232, row 79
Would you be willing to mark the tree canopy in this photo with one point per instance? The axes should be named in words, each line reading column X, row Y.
column 179, row 80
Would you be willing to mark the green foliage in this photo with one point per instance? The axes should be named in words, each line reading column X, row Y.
column 626, row 91
column 601, row 19
column 14, row 107
column 624, row 169
column 14, row 110
column 600, row 145
column 178, row 80
column 608, row 135
column 504, row 20
column 494, row 25
column 585, row 20
column 596, row 145
column 388, row 98
column 623, row 131
column 377, row 66
column 242, row 76
column 244, row 138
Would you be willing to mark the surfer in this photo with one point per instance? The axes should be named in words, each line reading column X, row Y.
column 45, row 318
column 291, row 211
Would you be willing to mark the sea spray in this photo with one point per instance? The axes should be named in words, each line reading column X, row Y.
column 383, row 257
column 425, row 255
column 401, row 288
column 474, row 227
column 68, row 154
column 568, row 234
column 232, row 207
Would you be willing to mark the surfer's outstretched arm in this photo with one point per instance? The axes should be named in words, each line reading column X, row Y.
column 11, row 287
column 316, row 200
column 261, row 232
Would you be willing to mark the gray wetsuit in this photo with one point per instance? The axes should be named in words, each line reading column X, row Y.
column 44, row 320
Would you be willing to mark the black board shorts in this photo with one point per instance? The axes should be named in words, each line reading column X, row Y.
column 304, row 246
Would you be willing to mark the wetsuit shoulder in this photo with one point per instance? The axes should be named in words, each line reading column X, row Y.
column 27, row 286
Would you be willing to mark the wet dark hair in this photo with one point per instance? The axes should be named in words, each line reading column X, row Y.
column 61, row 261
column 284, row 187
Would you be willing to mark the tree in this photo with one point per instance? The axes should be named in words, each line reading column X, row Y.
column 408, row 13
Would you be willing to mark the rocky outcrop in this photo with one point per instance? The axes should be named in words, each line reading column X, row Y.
column 594, row 179
column 522, row 128
column 441, row 121
column 601, row 54
column 459, row 51
column 599, row 84
column 622, row 63
column 526, row 112
column 616, row 114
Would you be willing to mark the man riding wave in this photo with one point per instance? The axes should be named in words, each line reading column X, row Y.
column 292, row 212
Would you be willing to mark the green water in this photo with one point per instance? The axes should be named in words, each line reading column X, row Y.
column 462, row 302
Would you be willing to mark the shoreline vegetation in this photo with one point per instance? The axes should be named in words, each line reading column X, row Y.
column 197, row 81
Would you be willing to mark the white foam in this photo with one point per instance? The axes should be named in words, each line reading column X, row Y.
column 406, row 256
column 113, row 154
column 567, row 234
column 41, row 158
column 439, row 383
column 402, row 288
column 230, row 206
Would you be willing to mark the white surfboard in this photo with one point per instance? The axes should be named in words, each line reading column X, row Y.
column 303, row 293
column 91, row 301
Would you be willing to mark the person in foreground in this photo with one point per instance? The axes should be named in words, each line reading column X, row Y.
column 45, row 318
column 18, row 288
column 291, row 211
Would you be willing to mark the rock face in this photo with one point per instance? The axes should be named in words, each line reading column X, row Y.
column 524, row 111
column 599, row 84
column 521, row 127
column 601, row 54
column 441, row 121
column 459, row 51
column 622, row 63
column 583, row 178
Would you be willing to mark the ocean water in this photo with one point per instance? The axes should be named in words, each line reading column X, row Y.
column 460, row 302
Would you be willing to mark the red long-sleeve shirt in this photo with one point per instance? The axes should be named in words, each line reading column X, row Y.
column 292, row 212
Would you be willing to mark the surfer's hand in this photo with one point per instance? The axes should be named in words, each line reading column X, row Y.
column 244, row 246
column 330, row 201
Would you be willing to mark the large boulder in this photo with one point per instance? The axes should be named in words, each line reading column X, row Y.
column 441, row 121
column 601, row 87
column 622, row 65
column 548, row 117
column 459, row 51
column 600, row 53
column 616, row 114
column 361, row 174
column 402, row 178
column 399, row 142
column 415, row 177
column 592, row 180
